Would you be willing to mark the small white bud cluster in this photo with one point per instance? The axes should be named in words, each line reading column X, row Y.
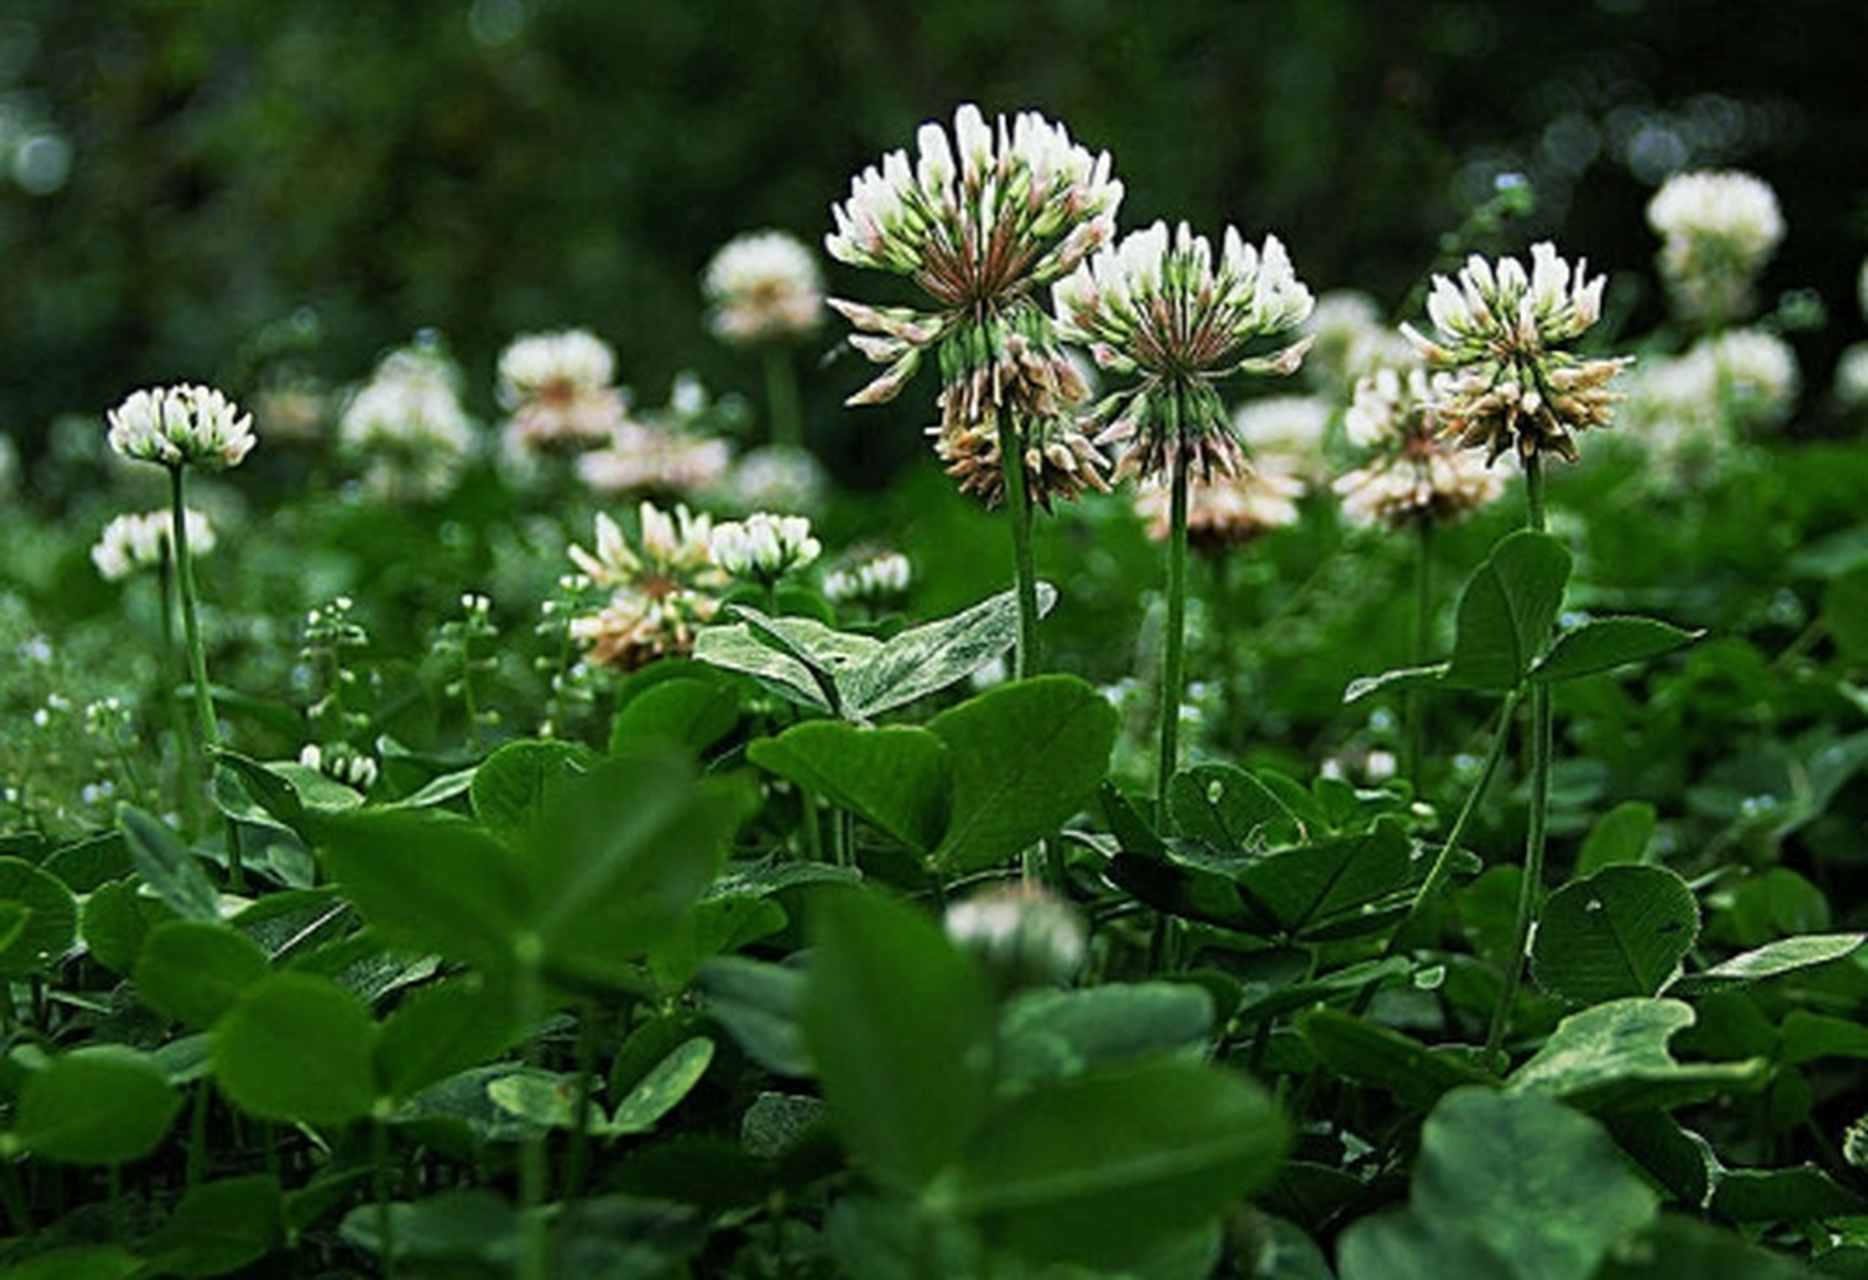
column 340, row 762
column 763, row 547
column 182, row 426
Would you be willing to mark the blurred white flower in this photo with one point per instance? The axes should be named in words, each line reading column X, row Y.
column 1498, row 336
column 135, row 542
column 764, row 547
column 775, row 475
column 1023, row 934
column 645, row 459
column 978, row 221
column 1717, row 231
column 1293, row 426
column 558, row 389
column 1851, row 387
column 407, row 428
column 763, row 287
column 1349, row 338
column 9, row 465
column 1166, row 310
column 1413, row 472
column 1758, row 375
column 1227, row 510
column 874, row 580
column 182, row 426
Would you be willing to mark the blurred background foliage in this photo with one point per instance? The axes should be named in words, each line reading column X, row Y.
column 189, row 191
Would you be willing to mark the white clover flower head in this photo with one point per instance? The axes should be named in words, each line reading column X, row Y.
column 1349, row 339
column 1294, row 426
column 661, row 589
column 764, row 547
column 182, row 426
column 558, row 388
column 641, row 458
column 874, row 580
column 1851, row 385
column 1505, row 380
column 341, row 762
column 1674, row 411
column 763, row 287
column 1717, row 229
column 1757, row 375
column 977, row 222
column 1167, row 310
column 1227, row 510
column 1023, row 934
column 135, row 542
column 1435, row 484
column 776, row 475
column 407, row 426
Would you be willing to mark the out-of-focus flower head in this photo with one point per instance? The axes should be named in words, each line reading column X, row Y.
column 1293, row 427
column 407, row 427
column 1349, row 339
column 1757, row 373
column 874, row 579
column 1861, row 288
column 1413, row 473
column 135, row 542
column 764, row 547
column 1227, row 510
column 763, row 287
column 1717, row 229
column 660, row 589
column 559, row 389
column 979, row 221
column 647, row 459
column 1023, row 934
column 1851, row 385
column 1166, row 311
column 775, row 475
column 1499, row 333
column 182, row 426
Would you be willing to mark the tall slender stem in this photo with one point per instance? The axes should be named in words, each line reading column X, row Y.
column 781, row 398
column 1540, row 750
column 187, row 754
column 1174, row 642
column 197, row 655
column 1018, row 508
column 1413, row 704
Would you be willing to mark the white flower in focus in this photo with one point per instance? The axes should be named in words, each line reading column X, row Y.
column 182, row 426
column 878, row 579
column 1168, row 311
column 978, row 221
column 132, row 543
column 1717, row 231
column 764, row 547
column 406, row 425
column 558, row 389
column 1499, row 333
column 1226, row 511
column 763, row 287
column 661, row 589
column 1414, row 473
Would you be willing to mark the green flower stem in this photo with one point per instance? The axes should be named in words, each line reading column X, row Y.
column 1174, row 642
column 1413, row 704
column 534, row 1176
column 1541, row 743
column 197, row 655
column 188, row 761
column 379, row 1187
column 781, row 398
column 1018, row 508
column 1443, row 861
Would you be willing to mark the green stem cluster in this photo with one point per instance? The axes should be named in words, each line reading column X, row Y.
column 1025, row 660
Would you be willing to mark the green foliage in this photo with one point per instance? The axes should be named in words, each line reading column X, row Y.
column 1620, row 932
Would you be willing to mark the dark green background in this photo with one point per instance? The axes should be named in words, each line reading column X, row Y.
column 487, row 167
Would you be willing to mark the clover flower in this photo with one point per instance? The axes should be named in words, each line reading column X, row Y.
column 1166, row 310
column 340, row 762
column 642, row 458
column 763, row 547
column 558, row 389
column 1414, row 473
column 1507, row 384
column 1717, row 231
column 1350, row 340
column 874, row 580
column 407, row 426
column 1851, row 384
column 775, row 475
column 1293, row 427
column 1227, row 510
column 979, row 221
column 182, row 426
column 661, row 590
column 135, row 542
column 1757, row 375
column 1023, row 934
column 763, row 287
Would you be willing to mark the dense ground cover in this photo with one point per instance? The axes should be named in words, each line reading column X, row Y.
column 590, row 843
